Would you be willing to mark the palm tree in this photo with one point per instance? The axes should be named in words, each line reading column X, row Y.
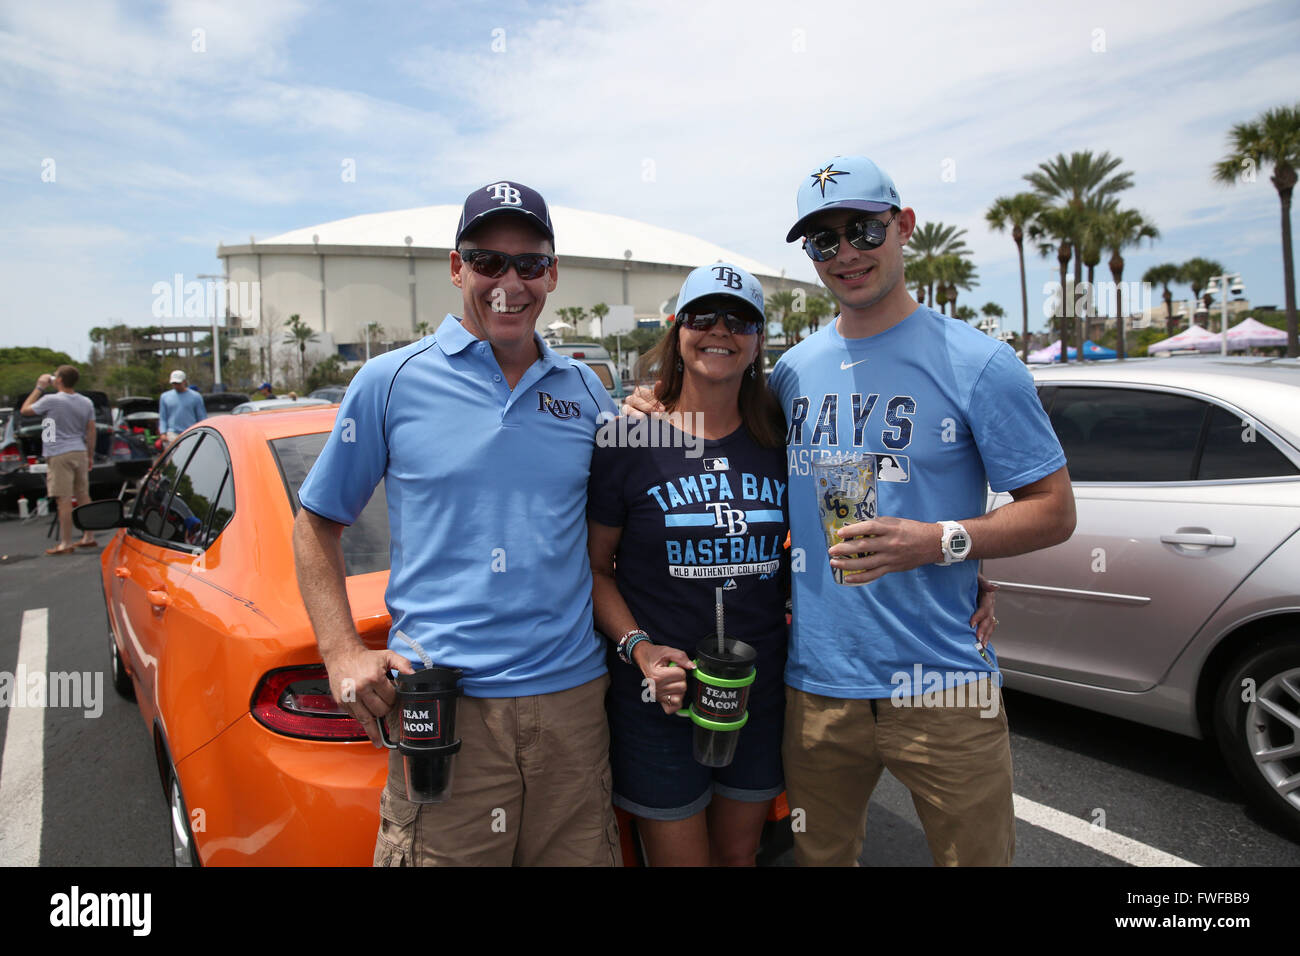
column 1122, row 228
column 422, row 328
column 1274, row 137
column 1092, row 238
column 301, row 333
column 1197, row 274
column 919, row 272
column 780, row 308
column 818, row 307
column 372, row 331
column 1052, row 230
column 931, row 240
column 954, row 272
column 1164, row 274
column 1019, row 211
column 1072, row 183
column 600, row 310
column 991, row 310
column 965, row 313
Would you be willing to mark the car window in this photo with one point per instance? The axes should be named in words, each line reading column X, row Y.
column 149, row 517
column 1235, row 449
column 1128, row 435
column 221, row 512
column 196, row 493
column 365, row 541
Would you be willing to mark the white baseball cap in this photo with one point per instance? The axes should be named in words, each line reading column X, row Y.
column 177, row 376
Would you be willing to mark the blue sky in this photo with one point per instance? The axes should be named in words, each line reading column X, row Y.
column 696, row 116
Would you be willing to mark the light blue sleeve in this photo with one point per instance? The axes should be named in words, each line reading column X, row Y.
column 1010, row 428
column 356, row 453
column 201, row 405
column 164, row 412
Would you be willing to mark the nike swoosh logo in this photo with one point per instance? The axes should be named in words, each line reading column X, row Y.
column 845, row 366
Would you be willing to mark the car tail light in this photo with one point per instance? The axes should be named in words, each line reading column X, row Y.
column 296, row 702
column 11, row 453
column 31, row 459
column 579, row 354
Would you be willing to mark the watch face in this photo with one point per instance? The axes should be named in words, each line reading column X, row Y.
column 959, row 543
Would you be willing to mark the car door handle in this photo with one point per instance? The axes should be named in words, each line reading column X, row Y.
column 1205, row 540
column 160, row 599
column 122, row 572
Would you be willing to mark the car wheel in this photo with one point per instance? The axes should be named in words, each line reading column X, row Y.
column 121, row 679
column 1257, row 723
column 184, row 852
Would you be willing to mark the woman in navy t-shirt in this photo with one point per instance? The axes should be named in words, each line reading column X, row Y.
column 676, row 509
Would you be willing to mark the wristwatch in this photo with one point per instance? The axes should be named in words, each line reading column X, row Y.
column 955, row 543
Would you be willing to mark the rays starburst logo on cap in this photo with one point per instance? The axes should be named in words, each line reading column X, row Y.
column 822, row 176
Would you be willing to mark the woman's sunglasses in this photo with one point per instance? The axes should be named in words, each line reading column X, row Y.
column 739, row 321
column 493, row 265
column 865, row 233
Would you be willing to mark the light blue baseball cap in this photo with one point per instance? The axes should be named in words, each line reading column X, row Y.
column 721, row 278
column 846, row 182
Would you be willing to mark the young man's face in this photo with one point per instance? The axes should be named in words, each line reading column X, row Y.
column 860, row 279
column 503, row 310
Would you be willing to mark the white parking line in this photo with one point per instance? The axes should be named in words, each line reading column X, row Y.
column 22, row 772
column 1103, row 841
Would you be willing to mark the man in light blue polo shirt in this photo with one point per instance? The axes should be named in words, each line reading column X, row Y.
column 179, row 408
column 483, row 438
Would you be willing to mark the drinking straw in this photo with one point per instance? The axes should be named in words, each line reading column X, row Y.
column 717, row 593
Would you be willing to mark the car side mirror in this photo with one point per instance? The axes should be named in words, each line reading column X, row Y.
column 99, row 515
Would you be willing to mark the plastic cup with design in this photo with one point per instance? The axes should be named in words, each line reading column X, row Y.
column 846, row 494
column 426, row 731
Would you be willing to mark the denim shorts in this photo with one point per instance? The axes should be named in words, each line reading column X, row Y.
column 656, row 776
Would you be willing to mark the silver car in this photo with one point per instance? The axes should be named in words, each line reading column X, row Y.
column 1177, row 601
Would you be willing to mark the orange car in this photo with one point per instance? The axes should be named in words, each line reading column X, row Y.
column 207, row 630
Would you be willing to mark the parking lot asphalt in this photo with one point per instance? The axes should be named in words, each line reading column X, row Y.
column 1092, row 790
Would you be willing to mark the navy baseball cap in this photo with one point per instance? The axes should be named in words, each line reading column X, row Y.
column 846, row 182
column 504, row 197
column 721, row 278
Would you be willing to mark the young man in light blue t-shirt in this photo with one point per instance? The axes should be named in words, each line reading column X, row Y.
column 483, row 438
column 889, row 673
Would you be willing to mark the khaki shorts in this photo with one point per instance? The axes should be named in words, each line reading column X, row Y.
column 68, row 476
column 530, row 787
column 956, row 761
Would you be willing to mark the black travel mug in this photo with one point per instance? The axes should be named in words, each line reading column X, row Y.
column 426, row 713
column 719, row 705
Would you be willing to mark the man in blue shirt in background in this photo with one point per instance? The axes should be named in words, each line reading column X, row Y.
column 179, row 408
column 483, row 437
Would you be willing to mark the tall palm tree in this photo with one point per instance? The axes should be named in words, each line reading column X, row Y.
column 930, row 240
column 1120, row 229
column 779, row 307
column 1095, row 217
column 1197, row 273
column 600, row 310
column 991, row 310
column 1072, row 182
column 422, row 328
column 1053, row 231
column 1019, row 211
column 1164, row 274
column 1273, row 137
column 918, row 272
column 965, row 313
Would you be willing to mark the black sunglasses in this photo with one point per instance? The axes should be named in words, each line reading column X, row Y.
column 864, row 233
column 739, row 321
column 493, row 265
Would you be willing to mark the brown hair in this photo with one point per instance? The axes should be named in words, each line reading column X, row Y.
column 68, row 374
column 760, row 412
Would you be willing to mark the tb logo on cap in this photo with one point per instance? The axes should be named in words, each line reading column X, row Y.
column 505, row 194
column 727, row 276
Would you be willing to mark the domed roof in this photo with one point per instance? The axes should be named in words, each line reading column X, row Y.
column 592, row 235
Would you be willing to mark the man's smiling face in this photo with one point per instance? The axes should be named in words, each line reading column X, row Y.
column 861, row 279
column 504, row 310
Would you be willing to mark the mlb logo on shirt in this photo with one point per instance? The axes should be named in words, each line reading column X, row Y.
column 895, row 468
column 716, row 464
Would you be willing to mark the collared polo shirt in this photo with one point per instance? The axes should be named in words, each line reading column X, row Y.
column 487, row 497
column 177, row 411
